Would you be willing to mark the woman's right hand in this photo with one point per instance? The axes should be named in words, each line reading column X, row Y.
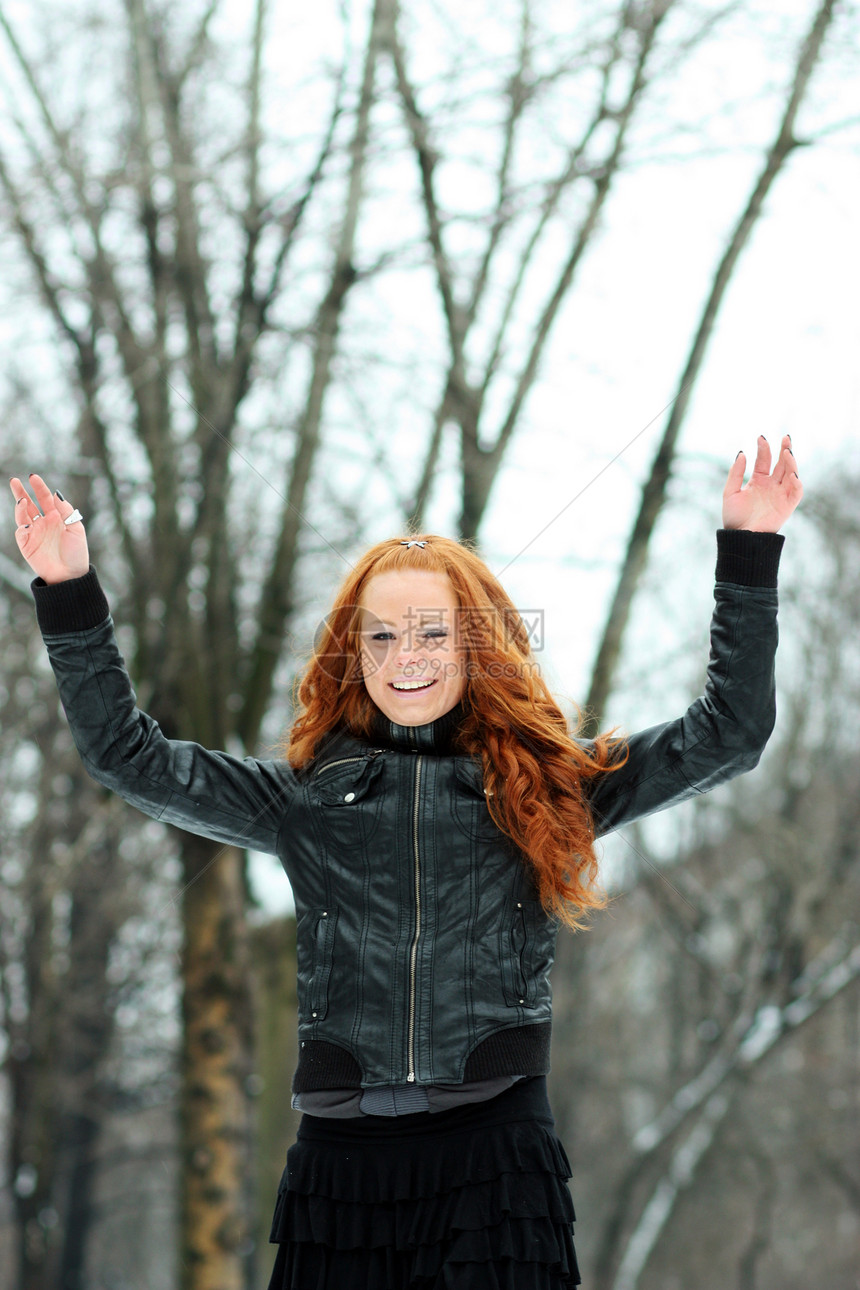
column 54, row 551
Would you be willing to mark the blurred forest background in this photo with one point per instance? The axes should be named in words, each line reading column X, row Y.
column 275, row 285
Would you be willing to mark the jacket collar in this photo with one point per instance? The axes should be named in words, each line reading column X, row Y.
column 436, row 737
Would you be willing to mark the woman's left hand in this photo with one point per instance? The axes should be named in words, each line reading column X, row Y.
column 764, row 503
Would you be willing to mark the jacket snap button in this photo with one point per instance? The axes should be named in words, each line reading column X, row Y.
column 350, row 797
column 325, row 913
column 313, row 1014
column 519, row 906
column 521, row 1001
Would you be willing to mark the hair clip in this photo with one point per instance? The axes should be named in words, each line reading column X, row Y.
column 414, row 542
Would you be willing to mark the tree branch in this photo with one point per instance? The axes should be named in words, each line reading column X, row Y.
column 480, row 465
column 553, row 193
column 518, row 95
column 602, row 184
column 274, row 605
column 83, row 346
column 710, row 1093
column 198, row 44
column 427, row 159
column 252, row 307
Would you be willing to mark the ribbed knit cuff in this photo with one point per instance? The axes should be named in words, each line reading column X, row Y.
column 748, row 559
column 72, row 606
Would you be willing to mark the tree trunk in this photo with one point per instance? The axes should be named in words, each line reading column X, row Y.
column 273, row 946
column 87, row 1023
column 215, row 1240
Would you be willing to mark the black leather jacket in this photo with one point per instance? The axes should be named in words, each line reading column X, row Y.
column 423, row 952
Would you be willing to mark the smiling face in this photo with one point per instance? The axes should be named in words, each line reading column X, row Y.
column 413, row 666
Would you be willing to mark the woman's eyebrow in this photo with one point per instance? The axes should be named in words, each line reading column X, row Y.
column 424, row 616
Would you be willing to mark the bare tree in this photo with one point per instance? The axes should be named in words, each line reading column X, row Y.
column 65, row 894
column 482, row 299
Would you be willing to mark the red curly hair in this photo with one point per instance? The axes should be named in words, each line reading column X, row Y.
column 533, row 767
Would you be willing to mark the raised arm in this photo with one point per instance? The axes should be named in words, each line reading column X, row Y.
column 723, row 733
column 238, row 801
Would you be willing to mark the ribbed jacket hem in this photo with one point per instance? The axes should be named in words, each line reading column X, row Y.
column 520, row 1050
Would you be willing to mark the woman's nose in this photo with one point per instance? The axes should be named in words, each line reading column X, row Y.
column 408, row 652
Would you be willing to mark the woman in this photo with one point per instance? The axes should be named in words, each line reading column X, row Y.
column 437, row 823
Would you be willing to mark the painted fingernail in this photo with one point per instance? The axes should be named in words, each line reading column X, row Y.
column 60, row 495
column 740, row 454
column 20, row 500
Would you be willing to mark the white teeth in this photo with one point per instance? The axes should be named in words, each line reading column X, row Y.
column 411, row 685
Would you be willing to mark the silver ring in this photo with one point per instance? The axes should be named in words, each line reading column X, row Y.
column 74, row 518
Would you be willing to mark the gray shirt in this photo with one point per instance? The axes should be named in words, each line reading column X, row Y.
column 398, row 1099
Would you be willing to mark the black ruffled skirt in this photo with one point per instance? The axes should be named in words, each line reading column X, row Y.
column 472, row 1197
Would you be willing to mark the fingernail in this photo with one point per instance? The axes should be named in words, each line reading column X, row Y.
column 740, row 454
column 20, row 500
column 60, row 495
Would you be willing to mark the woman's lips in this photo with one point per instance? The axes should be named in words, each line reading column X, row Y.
column 420, row 689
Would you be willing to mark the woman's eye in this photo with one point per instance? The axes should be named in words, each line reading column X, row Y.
column 382, row 636
column 436, row 633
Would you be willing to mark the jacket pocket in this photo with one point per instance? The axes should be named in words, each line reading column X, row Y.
column 314, row 954
column 469, row 804
column 517, row 952
column 348, row 794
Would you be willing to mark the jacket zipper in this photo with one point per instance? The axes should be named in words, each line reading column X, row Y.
column 342, row 761
column 410, row 1078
